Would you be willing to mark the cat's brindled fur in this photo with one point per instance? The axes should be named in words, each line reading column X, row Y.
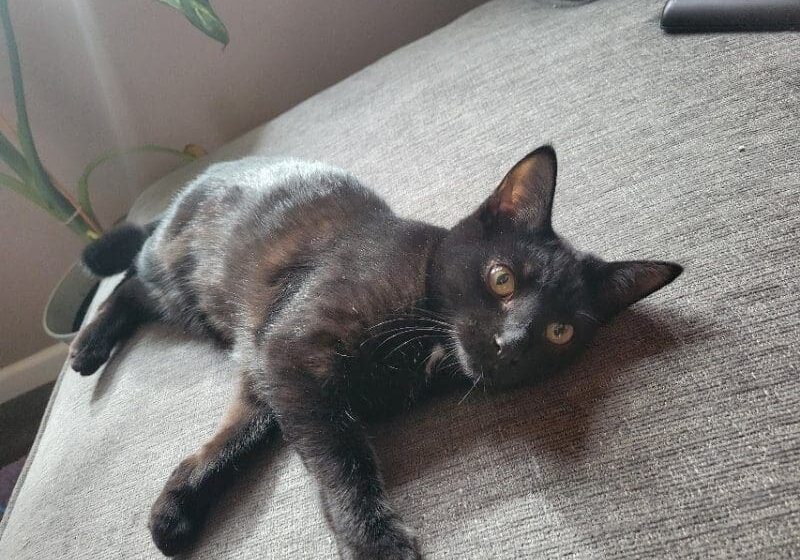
column 338, row 311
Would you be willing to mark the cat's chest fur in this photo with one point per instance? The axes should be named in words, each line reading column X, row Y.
column 395, row 362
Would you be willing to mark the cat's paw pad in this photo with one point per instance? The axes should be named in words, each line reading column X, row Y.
column 395, row 543
column 173, row 525
column 86, row 358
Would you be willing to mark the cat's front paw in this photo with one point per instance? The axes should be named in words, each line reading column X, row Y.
column 177, row 516
column 395, row 542
column 174, row 524
column 87, row 355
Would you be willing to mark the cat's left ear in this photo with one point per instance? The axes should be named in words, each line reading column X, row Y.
column 525, row 196
column 624, row 283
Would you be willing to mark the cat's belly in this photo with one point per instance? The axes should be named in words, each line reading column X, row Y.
column 239, row 241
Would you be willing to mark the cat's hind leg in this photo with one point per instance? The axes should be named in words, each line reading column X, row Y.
column 180, row 510
column 128, row 307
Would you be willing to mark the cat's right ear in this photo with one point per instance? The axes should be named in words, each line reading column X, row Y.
column 525, row 195
column 623, row 283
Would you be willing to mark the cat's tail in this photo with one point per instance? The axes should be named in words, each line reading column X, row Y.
column 116, row 250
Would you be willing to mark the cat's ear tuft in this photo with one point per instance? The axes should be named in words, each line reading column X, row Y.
column 525, row 195
column 624, row 283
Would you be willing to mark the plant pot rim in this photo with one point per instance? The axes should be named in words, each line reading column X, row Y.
column 65, row 301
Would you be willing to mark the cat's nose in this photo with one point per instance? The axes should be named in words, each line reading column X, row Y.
column 498, row 344
column 505, row 343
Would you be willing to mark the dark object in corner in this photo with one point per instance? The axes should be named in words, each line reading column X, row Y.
column 20, row 418
column 692, row 16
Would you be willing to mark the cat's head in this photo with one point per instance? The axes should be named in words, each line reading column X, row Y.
column 522, row 301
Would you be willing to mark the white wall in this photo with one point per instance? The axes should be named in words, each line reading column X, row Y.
column 101, row 74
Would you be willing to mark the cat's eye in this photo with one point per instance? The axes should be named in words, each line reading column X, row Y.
column 501, row 280
column 559, row 333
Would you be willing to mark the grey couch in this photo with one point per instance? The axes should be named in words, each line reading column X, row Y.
column 676, row 437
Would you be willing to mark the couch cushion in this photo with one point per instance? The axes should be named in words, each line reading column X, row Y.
column 676, row 436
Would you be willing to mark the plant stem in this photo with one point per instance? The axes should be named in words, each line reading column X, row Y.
column 12, row 157
column 91, row 221
column 19, row 187
column 31, row 194
column 83, row 182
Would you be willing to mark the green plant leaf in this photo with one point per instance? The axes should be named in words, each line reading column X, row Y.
column 12, row 157
column 51, row 199
column 202, row 16
column 75, row 222
column 85, row 201
column 20, row 188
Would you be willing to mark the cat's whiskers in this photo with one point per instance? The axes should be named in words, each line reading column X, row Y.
column 406, row 318
column 451, row 366
column 416, row 338
column 412, row 322
column 475, row 384
column 400, row 332
column 452, row 350
column 415, row 328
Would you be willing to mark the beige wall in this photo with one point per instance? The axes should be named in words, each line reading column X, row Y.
column 102, row 74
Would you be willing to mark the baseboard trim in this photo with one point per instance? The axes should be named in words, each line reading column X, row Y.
column 32, row 372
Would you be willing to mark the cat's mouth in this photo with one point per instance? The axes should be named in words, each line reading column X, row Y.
column 467, row 364
column 491, row 373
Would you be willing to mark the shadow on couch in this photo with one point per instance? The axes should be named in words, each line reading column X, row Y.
column 554, row 415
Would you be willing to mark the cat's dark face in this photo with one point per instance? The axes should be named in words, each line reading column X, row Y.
column 522, row 301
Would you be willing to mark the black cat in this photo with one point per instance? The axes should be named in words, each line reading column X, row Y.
column 338, row 311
